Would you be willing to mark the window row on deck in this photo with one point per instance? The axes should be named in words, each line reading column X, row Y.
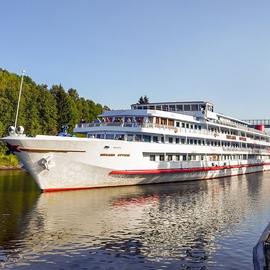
column 181, row 125
column 201, row 157
column 174, row 140
column 173, row 107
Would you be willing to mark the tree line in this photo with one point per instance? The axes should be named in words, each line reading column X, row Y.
column 43, row 110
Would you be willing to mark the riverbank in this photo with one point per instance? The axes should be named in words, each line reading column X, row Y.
column 9, row 162
column 9, row 168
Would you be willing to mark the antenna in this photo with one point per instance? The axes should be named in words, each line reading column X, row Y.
column 19, row 99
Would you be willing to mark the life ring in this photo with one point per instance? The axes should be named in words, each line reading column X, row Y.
column 175, row 130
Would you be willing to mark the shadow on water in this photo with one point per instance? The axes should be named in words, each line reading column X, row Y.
column 168, row 226
column 18, row 195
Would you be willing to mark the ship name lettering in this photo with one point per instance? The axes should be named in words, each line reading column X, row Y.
column 123, row 155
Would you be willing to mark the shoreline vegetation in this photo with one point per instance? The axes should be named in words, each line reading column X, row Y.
column 43, row 110
column 9, row 162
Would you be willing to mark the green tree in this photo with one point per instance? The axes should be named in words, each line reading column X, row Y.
column 47, row 111
column 143, row 100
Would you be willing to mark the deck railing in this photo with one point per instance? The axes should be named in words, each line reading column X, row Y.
column 159, row 126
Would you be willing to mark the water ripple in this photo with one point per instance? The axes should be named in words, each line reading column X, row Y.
column 198, row 225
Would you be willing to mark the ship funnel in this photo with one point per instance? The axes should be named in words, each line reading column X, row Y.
column 260, row 127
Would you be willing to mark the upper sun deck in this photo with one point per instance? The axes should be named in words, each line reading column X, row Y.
column 186, row 107
column 196, row 109
column 170, row 114
column 133, row 113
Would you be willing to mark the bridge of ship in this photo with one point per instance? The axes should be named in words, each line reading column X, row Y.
column 256, row 122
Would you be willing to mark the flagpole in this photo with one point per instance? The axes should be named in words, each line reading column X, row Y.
column 19, row 99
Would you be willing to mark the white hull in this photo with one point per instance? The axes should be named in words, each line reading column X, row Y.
column 63, row 163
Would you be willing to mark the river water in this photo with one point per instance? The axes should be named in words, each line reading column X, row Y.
column 211, row 224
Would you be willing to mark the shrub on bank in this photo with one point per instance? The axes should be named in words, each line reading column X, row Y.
column 8, row 160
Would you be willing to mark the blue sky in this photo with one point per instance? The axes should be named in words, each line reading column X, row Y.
column 114, row 51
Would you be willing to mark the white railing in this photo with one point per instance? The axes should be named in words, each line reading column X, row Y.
column 162, row 128
column 239, row 126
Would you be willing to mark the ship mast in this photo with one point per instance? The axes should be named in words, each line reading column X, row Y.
column 19, row 99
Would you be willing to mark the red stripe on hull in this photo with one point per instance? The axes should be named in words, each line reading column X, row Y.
column 188, row 170
column 80, row 188
column 64, row 189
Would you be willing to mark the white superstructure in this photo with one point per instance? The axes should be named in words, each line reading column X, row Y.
column 149, row 143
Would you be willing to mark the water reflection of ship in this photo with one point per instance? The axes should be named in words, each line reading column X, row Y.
column 178, row 221
column 164, row 217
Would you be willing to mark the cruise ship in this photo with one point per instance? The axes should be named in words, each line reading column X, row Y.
column 146, row 144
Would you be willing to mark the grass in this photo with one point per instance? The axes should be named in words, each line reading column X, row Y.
column 8, row 161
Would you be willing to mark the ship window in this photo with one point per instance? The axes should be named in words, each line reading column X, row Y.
column 172, row 108
column 152, row 107
column 146, row 138
column 170, row 140
column 187, row 107
column 191, row 126
column 209, row 108
column 139, row 107
column 182, row 141
column 161, row 158
column 162, row 139
column 152, row 157
column 199, row 142
column 177, row 124
column 169, row 157
column 184, row 157
column 191, row 141
column 130, row 137
column 199, row 127
column 145, row 107
column 176, row 140
column 183, row 125
column 109, row 136
column 194, row 107
column 187, row 125
column 138, row 138
column 155, row 139
column 158, row 107
column 165, row 107
column 195, row 141
column 163, row 121
column 179, row 107
column 170, row 122
column 120, row 137
column 177, row 157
